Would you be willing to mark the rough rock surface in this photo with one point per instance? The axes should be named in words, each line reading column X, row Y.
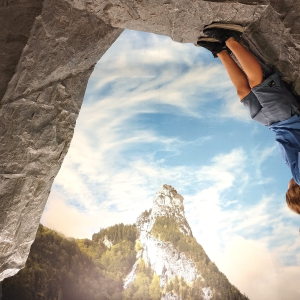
column 107, row 242
column 166, row 261
column 16, row 21
column 37, row 118
column 43, row 84
column 207, row 293
column 167, row 202
column 272, row 26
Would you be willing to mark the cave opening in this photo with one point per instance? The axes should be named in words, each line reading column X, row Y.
column 43, row 86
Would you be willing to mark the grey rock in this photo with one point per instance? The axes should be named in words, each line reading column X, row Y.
column 167, row 202
column 16, row 20
column 47, row 52
column 166, row 261
column 107, row 242
column 37, row 118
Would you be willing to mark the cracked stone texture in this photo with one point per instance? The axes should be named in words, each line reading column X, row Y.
column 167, row 202
column 48, row 51
column 16, row 20
column 37, row 118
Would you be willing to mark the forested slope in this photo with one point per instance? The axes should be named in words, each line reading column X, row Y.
column 59, row 268
column 166, row 229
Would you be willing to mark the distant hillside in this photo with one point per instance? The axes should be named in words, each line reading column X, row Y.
column 155, row 259
column 59, row 268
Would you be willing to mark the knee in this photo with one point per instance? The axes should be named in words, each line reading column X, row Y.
column 242, row 93
column 256, row 81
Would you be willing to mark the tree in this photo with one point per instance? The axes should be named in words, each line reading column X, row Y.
column 170, row 287
column 154, row 288
column 138, row 246
column 184, row 292
column 176, row 285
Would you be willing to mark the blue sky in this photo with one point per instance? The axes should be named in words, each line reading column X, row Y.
column 157, row 112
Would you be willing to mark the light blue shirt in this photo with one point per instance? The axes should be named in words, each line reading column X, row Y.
column 287, row 134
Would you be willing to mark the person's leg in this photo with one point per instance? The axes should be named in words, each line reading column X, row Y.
column 237, row 76
column 248, row 62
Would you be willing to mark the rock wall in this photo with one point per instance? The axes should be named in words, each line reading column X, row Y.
column 37, row 118
column 45, row 65
column 272, row 26
column 16, row 21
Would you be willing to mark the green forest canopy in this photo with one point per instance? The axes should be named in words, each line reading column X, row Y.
column 60, row 268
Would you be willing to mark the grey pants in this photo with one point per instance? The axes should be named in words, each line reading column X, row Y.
column 271, row 102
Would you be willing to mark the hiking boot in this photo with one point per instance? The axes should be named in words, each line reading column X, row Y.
column 222, row 32
column 213, row 45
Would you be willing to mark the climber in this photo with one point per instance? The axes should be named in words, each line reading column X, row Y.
column 269, row 101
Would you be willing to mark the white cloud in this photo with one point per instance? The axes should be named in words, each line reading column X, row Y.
column 257, row 266
column 257, row 272
column 224, row 169
column 169, row 80
column 232, row 108
column 259, row 156
column 73, row 222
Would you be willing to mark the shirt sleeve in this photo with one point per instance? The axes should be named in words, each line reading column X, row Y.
column 296, row 171
column 283, row 154
column 292, row 160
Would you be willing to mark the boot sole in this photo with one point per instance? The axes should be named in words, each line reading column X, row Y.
column 208, row 39
column 211, row 40
column 225, row 26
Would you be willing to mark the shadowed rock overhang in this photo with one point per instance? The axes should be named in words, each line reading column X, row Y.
column 48, row 51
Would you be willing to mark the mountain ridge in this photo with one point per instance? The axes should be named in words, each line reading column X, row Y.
column 167, row 202
column 155, row 259
column 170, row 250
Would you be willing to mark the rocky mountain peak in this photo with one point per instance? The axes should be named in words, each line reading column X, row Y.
column 166, row 203
column 162, row 257
column 166, row 246
column 167, row 198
